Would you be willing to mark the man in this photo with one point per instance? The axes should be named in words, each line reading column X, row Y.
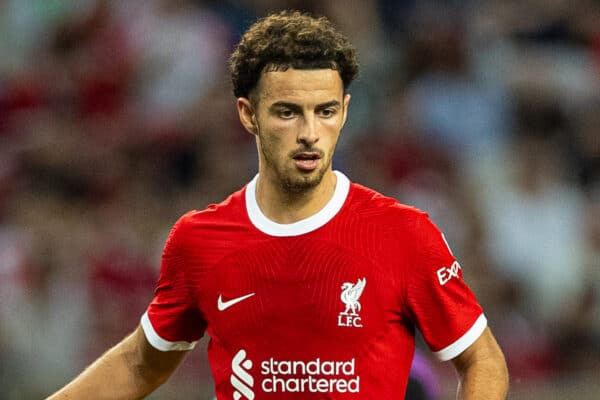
column 309, row 286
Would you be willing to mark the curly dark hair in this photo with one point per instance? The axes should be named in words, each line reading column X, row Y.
column 290, row 39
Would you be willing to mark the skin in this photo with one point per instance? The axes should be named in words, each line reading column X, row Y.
column 296, row 117
column 130, row 370
column 482, row 371
column 295, row 113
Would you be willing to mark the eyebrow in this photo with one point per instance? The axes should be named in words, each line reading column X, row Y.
column 285, row 104
column 296, row 107
column 332, row 103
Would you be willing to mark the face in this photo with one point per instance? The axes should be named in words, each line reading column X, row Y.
column 296, row 116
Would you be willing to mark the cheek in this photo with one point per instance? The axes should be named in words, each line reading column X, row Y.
column 271, row 142
column 331, row 128
column 277, row 134
column 283, row 129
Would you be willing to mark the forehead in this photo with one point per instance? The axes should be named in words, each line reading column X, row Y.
column 298, row 85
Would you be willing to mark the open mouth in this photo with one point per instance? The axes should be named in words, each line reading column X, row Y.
column 307, row 160
column 313, row 155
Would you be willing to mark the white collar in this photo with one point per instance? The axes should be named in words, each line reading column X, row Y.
column 315, row 221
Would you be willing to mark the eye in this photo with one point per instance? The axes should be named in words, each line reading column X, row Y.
column 328, row 112
column 286, row 113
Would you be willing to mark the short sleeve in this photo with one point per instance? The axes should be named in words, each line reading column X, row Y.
column 173, row 321
column 444, row 307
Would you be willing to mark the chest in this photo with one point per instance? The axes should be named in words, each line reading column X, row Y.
column 315, row 292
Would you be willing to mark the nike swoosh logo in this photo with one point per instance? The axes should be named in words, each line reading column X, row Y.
column 224, row 305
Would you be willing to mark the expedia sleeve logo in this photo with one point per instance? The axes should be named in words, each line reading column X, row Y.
column 444, row 274
column 285, row 376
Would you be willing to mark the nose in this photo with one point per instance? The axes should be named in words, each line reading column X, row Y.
column 308, row 134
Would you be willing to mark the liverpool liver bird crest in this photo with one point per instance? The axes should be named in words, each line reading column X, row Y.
column 350, row 295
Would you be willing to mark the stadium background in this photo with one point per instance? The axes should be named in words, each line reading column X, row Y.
column 117, row 116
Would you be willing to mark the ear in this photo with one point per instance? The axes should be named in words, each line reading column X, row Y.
column 247, row 115
column 345, row 108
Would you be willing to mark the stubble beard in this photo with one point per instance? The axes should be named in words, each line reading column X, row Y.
column 292, row 181
column 297, row 182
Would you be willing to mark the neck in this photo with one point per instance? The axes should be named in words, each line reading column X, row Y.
column 285, row 207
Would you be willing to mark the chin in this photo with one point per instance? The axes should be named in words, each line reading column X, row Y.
column 301, row 182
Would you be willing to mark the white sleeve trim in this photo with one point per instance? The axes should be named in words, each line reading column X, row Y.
column 464, row 341
column 159, row 343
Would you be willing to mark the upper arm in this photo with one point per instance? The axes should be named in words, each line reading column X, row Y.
column 152, row 365
column 484, row 350
column 442, row 305
column 173, row 319
column 482, row 370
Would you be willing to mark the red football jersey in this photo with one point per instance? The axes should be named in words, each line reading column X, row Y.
column 324, row 308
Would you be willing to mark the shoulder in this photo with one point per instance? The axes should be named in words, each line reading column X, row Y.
column 218, row 216
column 384, row 210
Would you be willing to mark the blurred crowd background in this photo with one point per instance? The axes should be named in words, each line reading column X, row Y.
column 117, row 116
